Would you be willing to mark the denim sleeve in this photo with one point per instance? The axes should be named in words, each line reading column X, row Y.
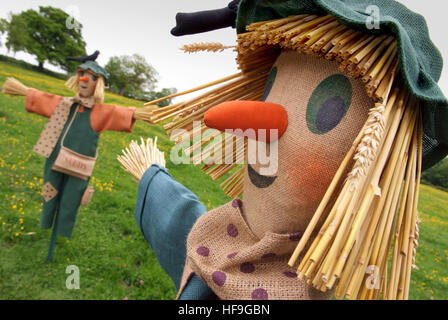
column 165, row 213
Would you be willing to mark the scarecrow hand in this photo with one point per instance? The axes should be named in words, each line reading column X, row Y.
column 137, row 159
column 145, row 114
column 14, row 87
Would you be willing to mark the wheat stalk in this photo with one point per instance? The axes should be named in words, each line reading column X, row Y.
column 205, row 46
column 369, row 144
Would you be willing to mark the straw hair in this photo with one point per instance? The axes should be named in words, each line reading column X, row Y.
column 373, row 215
column 99, row 90
column 73, row 84
column 136, row 159
column 14, row 87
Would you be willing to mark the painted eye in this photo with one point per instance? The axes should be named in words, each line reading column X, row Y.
column 269, row 83
column 82, row 73
column 329, row 104
column 94, row 78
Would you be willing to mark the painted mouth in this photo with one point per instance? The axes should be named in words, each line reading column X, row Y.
column 82, row 87
column 259, row 180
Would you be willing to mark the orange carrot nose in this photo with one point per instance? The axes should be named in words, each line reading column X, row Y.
column 244, row 115
column 84, row 79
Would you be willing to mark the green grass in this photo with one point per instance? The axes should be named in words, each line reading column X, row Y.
column 431, row 279
column 107, row 245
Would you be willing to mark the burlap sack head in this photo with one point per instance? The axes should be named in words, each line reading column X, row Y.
column 326, row 110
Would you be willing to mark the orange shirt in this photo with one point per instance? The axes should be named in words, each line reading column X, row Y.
column 102, row 117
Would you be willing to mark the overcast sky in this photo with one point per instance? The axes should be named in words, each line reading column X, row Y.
column 140, row 26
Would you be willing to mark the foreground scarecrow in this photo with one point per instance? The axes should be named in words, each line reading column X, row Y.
column 358, row 114
column 69, row 141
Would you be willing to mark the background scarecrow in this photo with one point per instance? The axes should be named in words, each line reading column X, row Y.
column 69, row 140
column 359, row 116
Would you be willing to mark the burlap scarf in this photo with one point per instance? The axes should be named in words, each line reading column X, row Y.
column 53, row 129
column 235, row 264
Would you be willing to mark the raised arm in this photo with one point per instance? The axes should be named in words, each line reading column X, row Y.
column 165, row 213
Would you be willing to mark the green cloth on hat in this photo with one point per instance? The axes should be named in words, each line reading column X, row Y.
column 421, row 62
column 95, row 68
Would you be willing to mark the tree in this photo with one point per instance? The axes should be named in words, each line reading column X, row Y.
column 437, row 175
column 131, row 76
column 3, row 26
column 153, row 95
column 47, row 35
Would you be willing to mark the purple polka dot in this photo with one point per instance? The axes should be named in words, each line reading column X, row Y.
column 259, row 294
column 232, row 230
column 219, row 278
column 295, row 236
column 268, row 255
column 203, row 251
column 236, row 203
column 233, row 254
column 290, row 274
column 247, row 267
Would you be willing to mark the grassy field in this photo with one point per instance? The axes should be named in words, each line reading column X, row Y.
column 115, row 261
